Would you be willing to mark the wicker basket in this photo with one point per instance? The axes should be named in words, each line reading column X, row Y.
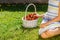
column 29, row 23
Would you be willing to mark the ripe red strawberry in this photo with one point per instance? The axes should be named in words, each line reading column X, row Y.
column 31, row 16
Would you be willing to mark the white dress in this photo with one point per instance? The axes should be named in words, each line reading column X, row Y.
column 52, row 12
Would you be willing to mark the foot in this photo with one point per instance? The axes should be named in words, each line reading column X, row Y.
column 51, row 33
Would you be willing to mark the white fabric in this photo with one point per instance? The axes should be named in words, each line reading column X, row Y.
column 53, row 8
column 52, row 26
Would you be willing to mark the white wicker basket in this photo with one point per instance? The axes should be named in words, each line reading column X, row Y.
column 29, row 23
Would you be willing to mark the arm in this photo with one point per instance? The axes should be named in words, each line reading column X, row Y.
column 49, row 22
column 53, row 20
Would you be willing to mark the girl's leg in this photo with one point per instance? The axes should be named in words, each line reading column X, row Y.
column 51, row 33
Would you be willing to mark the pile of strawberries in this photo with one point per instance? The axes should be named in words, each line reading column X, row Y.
column 31, row 16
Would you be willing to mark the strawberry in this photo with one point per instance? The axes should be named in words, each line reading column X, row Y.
column 31, row 16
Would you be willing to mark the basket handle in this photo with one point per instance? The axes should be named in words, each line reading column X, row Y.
column 31, row 4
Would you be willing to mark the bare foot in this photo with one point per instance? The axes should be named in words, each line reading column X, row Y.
column 51, row 33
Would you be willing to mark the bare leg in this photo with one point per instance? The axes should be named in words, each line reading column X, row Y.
column 51, row 33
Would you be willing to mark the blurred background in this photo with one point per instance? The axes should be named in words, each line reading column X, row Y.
column 24, row 1
column 11, row 13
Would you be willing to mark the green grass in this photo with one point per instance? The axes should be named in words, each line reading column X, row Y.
column 11, row 24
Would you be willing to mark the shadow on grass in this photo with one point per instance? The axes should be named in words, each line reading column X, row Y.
column 22, row 7
column 29, row 29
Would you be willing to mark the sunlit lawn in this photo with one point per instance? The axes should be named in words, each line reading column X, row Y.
column 11, row 23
